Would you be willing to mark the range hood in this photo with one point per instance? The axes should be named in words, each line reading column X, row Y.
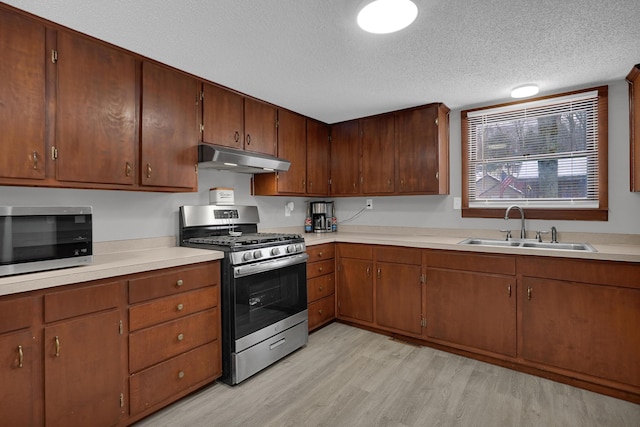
column 229, row 159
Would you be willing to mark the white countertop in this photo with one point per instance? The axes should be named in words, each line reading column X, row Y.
column 108, row 265
column 609, row 252
column 114, row 259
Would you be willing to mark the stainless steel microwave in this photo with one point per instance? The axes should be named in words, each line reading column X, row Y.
column 36, row 238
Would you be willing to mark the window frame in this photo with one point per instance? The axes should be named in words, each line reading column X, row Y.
column 601, row 213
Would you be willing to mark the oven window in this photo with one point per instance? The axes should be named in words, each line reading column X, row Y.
column 266, row 298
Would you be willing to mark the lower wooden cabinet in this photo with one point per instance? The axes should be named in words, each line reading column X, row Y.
column 354, row 286
column 321, row 285
column 69, row 357
column 471, row 301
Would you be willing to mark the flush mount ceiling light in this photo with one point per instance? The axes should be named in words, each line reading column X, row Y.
column 387, row 16
column 524, row 91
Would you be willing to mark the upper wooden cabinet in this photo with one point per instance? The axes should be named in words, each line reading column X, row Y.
column 422, row 150
column 169, row 128
column 317, row 158
column 378, row 154
column 634, row 127
column 222, row 117
column 96, row 139
column 231, row 120
column 22, row 97
column 404, row 152
column 345, row 158
column 292, row 146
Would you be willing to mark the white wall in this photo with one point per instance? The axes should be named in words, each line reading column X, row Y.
column 121, row 215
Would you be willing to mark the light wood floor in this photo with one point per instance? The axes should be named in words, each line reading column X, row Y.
column 350, row 377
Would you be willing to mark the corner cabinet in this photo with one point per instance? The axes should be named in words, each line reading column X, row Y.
column 345, row 159
column 634, row 127
column 169, row 133
column 22, row 101
column 318, row 159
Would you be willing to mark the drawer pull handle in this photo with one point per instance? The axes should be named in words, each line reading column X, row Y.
column 179, row 283
column 57, row 339
column 181, row 374
column 320, row 269
column 180, row 307
column 320, row 288
column 276, row 344
column 180, row 337
column 20, row 356
column 509, row 290
column 319, row 311
column 529, row 294
column 320, row 253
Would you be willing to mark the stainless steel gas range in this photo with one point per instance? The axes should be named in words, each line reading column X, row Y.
column 264, row 290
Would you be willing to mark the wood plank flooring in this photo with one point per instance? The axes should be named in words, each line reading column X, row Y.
column 350, row 377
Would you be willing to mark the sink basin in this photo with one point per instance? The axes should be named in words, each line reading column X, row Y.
column 516, row 243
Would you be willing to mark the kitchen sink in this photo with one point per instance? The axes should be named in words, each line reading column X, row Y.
column 527, row 243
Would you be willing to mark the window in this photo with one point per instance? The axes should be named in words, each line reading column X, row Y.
column 548, row 155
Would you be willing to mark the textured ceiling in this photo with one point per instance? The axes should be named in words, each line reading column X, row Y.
column 310, row 57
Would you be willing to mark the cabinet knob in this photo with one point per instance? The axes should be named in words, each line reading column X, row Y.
column 320, row 289
column 180, row 307
column 20, row 356
column 529, row 294
column 180, row 337
column 319, row 311
column 148, row 170
column 57, row 340
column 236, row 136
column 320, row 253
column 248, row 139
column 181, row 374
column 320, row 269
column 179, row 283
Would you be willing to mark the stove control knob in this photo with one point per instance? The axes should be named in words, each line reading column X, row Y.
column 247, row 256
column 291, row 248
column 275, row 251
column 257, row 254
column 299, row 248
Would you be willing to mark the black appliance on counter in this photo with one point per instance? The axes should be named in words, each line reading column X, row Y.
column 263, row 288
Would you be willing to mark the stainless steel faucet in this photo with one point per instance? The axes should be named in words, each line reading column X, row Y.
column 523, row 232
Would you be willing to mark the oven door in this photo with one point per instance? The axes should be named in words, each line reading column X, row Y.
column 268, row 293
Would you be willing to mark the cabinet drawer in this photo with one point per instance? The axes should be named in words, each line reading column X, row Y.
column 15, row 313
column 320, row 287
column 315, row 269
column 77, row 302
column 322, row 311
column 171, row 308
column 354, row 250
column 163, row 381
column 173, row 281
column 152, row 345
column 321, row 252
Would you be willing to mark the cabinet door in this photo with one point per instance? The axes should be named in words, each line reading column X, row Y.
column 378, row 155
column 591, row 329
column 417, row 150
column 169, row 128
column 82, row 365
column 399, row 297
column 17, row 360
column 96, row 112
column 22, row 97
column 355, row 289
column 292, row 140
column 222, row 117
column 345, row 158
column 634, row 127
column 317, row 158
column 473, row 310
column 260, row 127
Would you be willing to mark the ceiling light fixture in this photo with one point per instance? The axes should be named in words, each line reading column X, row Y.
column 524, row 91
column 387, row 16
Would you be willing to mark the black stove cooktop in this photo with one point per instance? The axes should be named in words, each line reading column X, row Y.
column 245, row 240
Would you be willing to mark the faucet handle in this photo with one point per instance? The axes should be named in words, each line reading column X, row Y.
column 539, row 235
column 508, row 236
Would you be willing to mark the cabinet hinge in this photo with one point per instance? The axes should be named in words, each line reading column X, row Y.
column 436, row 121
column 201, row 127
column 120, row 329
column 201, row 95
column 196, row 168
column 423, row 278
column 277, row 124
column 339, row 267
column 423, row 322
column 54, row 56
column 54, row 153
column 122, row 400
column 330, row 138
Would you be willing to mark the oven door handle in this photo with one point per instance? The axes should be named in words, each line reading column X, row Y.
column 269, row 265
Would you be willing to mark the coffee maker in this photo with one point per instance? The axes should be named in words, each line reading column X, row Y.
column 322, row 217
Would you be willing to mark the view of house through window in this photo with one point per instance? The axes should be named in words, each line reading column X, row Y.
column 541, row 154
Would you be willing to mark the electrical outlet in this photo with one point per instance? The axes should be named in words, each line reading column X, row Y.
column 457, row 203
column 369, row 204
